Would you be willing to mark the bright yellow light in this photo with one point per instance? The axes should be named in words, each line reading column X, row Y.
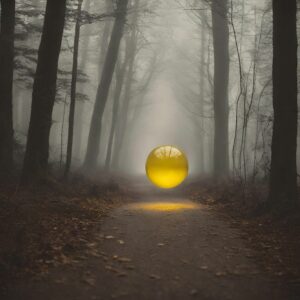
column 164, row 206
column 166, row 167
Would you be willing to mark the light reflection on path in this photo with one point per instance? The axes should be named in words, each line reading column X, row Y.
column 164, row 206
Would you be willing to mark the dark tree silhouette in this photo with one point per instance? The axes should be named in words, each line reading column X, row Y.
column 104, row 85
column 221, row 77
column 73, row 90
column 44, row 91
column 283, row 179
column 6, row 83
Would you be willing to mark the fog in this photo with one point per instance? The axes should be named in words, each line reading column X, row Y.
column 171, row 92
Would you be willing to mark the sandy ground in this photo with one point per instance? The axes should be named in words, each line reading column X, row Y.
column 160, row 247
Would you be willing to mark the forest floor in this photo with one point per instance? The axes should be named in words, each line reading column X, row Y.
column 109, row 241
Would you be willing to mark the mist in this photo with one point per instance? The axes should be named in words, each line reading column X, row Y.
column 170, row 95
column 149, row 149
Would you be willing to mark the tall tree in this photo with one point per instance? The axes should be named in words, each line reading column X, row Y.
column 119, row 74
column 6, row 83
column 73, row 89
column 44, row 91
column 283, row 177
column 202, row 87
column 82, row 65
column 221, row 77
column 104, row 85
column 132, row 46
column 86, row 43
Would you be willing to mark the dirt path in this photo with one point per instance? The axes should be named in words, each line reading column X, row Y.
column 160, row 248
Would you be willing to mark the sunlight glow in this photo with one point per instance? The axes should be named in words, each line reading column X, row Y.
column 164, row 206
column 166, row 167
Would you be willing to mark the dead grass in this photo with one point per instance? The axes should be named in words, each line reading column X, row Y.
column 51, row 224
column 273, row 235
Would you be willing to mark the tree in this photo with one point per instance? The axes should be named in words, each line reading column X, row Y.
column 6, row 83
column 221, row 77
column 86, row 38
column 202, row 87
column 283, row 177
column 104, row 85
column 81, row 105
column 132, row 48
column 73, row 89
column 120, row 74
column 44, row 91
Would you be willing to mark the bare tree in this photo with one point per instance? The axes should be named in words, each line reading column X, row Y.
column 6, row 83
column 202, row 87
column 132, row 49
column 44, row 91
column 73, row 89
column 104, row 85
column 283, row 177
column 81, row 109
column 221, row 77
column 120, row 75
column 81, row 105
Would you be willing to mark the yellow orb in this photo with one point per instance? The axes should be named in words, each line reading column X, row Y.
column 166, row 167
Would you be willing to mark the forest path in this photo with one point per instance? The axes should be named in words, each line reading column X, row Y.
column 161, row 248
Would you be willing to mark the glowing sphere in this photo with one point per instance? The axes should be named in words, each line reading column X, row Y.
column 166, row 167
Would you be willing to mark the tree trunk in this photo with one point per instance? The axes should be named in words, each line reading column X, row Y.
column 73, row 90
column 122, row 122
column 120, row 74
column 44, row 91
column 221, row 78
column 80, row 105
column 104, row 85
column 6, row 84
column 202, row 91
column 104, row 40
column 283, row 177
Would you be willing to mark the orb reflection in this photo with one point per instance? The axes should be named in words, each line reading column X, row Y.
column 162, row 206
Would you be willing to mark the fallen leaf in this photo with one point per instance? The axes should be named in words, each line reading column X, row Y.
column 110, row 268
column 122, row 274
column 153, row 276
column 124, row 259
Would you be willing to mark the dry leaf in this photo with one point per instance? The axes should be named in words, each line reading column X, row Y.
column 124, row 259
column 153, row 276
